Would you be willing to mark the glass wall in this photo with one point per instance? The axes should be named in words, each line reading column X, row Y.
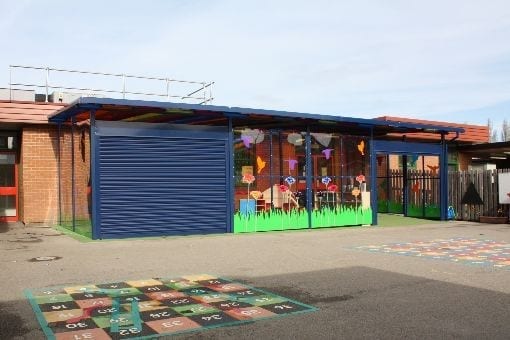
column 270, row 169
column 75, row 189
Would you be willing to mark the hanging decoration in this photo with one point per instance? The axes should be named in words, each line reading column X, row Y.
column 261, row 164
column 322, row 138
column 252, row 136
column 327, row 152
column 292, row 164
column 295, row 139
column 361, row 147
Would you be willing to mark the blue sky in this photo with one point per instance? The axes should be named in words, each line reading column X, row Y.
column 437, row 60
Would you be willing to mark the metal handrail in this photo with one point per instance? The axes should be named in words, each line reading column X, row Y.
column 204, row 89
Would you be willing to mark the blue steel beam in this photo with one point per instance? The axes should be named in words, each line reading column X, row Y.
column 88, row 103
column 373, row 179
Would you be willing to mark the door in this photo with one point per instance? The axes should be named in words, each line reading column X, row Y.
column 8, row 188
column 423, row 182
column 162, row 181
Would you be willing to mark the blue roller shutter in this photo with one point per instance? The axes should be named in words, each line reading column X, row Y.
column 172, row 182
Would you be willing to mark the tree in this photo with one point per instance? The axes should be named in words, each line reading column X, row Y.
column 505, row 131
column 493, row 133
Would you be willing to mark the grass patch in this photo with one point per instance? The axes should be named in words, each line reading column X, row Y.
column 82, row 227
column 390, row 220
column 70, row 233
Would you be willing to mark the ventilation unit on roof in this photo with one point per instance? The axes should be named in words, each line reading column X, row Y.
column 20, row 95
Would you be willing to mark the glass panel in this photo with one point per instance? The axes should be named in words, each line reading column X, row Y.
column 7, row 170
column 7, row 159
column 8, row 141
column 415, row 193
column 383, row 183
column 8, row 205
column 269, row 191
column 423, row 187
column 431, row 186
column 396, row 184
column 340, row 180
column 83, row 193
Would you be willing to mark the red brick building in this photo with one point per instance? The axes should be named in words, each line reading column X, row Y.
column 31, row 151
column 29, row 157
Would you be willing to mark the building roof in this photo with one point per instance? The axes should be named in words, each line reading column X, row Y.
column 472, row 134
column 27, row 112
column 494, row 153
column 179, row 113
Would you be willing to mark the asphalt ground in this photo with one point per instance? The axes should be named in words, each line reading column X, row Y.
column 360, row 294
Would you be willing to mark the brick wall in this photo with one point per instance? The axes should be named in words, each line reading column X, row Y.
column 38, row 175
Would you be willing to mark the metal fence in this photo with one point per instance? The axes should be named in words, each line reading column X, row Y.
column 486, row 184
column 46, row 80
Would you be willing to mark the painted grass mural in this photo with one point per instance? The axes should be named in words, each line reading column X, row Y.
column 270, row 220
column 298, row 219
column 342, row 216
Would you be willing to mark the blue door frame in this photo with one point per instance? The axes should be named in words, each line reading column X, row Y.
column 408, row 148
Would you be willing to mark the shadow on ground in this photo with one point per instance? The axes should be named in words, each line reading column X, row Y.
column 354, row 303
column 361, row 302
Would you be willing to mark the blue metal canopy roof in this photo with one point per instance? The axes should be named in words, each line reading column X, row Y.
column 113, row 108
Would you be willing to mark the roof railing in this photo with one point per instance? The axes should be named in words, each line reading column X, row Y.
column 198, row 92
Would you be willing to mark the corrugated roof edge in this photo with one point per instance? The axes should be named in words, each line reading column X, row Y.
column 87, row 103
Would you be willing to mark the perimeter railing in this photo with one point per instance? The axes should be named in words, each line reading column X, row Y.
column 120, row 85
